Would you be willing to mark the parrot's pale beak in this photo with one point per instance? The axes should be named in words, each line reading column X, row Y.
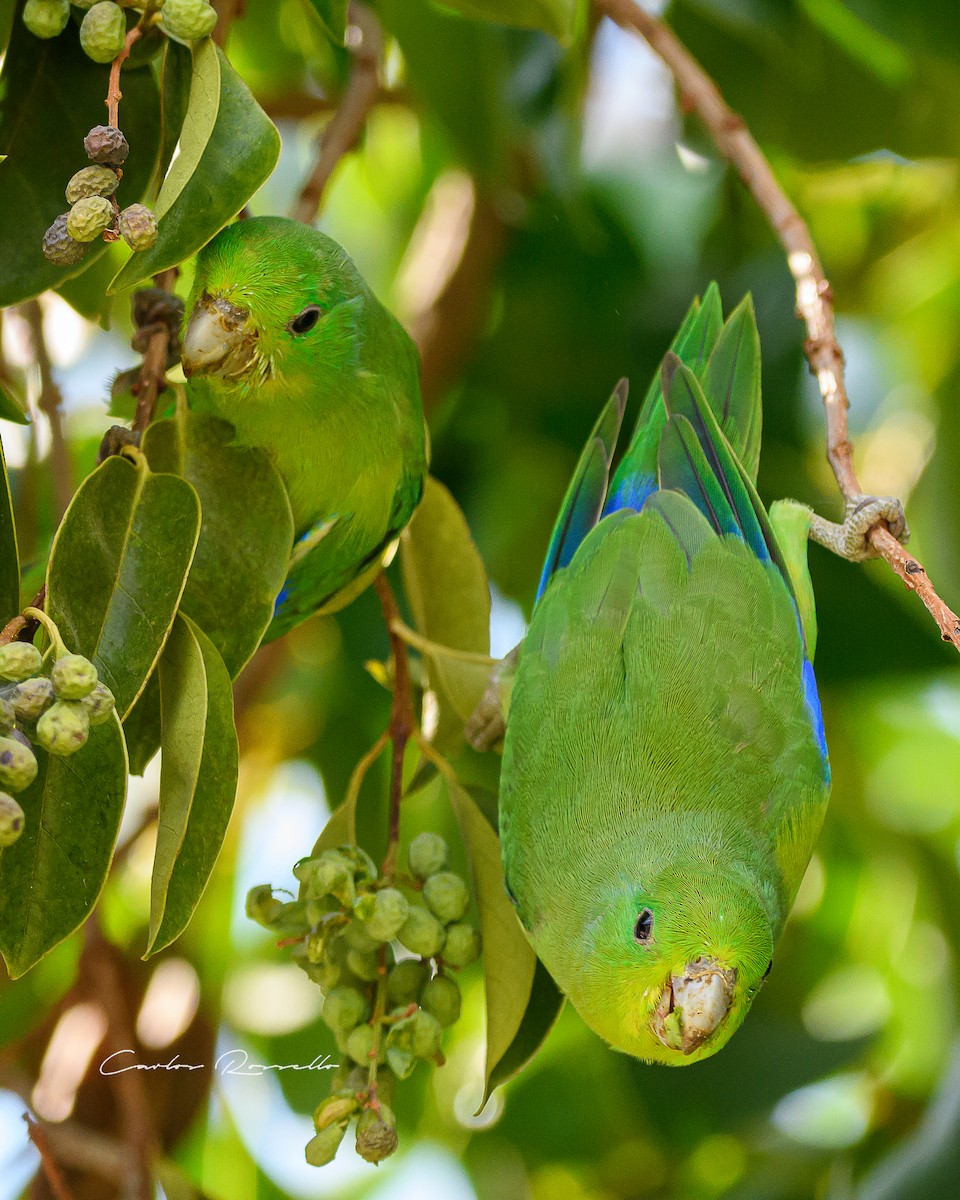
column 694, row 1004
column 218, row 339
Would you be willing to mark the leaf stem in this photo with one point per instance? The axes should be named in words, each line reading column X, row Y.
column 412, row 638
column 114, row 95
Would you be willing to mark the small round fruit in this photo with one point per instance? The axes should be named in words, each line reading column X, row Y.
column 427, row 854
column 406, row 980
column 462, row 946
column 447, row 896
column 441, row 999
column 18, row 766
column 389, row 911
column 8, row 715
column 360, row 1045
column 364, row 964
column 103, row 31
column 89, row 217
column 344, row 1008
column 99, row 704
column 333, row 1111
column 323, row 1147
column 356, row 937
column 422, row 933
column 427, row 1033
column 189, row 20
column 138, row 227
column 19, row 660
column 11, row 820
column 376, row 1134
column 106, row 144
column 32, row 698
column 262, row 906
column 64, row 728
column 46, row 18
column 59, row 247
column 91, row 181
column 73, row 677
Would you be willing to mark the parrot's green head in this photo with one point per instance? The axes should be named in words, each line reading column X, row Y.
column 667, row 966
column 271, row 295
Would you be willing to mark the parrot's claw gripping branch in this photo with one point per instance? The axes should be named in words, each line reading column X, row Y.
column 851, row 539
column 488, row 721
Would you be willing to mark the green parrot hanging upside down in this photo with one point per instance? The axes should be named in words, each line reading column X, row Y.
column 285, row 340
column 665, row 772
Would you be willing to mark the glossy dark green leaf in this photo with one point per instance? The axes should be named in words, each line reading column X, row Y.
column 118, row 568
column 509, row 963
column 198, row 777
column 543, row 1009
column 333, row 17
column 247, row 534
column 449, row 595
column 199, row 120
column 237, row 157
column 51, row 878
column 558, row 17
column 141, row 726
column 9, row 554
column 51, row 95
column 10, row 407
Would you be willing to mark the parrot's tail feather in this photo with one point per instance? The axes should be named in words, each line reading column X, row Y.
column 583, row 502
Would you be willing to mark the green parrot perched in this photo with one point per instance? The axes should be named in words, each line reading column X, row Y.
column 665, row 773
column 285, row 340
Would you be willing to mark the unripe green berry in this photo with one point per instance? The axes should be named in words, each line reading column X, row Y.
column 46, row 18
column 73, row 677
column 138, row 227
column 63, row 728
column 188, row 20
column 333, row 1111
column 389, row 911
column 422, row 933
column 462, row 946
column 344, row 1008
column 330, row 874
column 59, row 247
column 106, row 144
column 8, row 715
column 399, row 1045
column 356, row 937
column 427, row 854
column 364, row 965
column 11, row 820
column 89, row 217
column 18, row 766
column 19, row 660
column 91, row 181
column 427, row 1033
column 32, row 698
column 99, row 704
column 441, row 999
column 376, row 1134
column 447, row 896
column 323, row 1147
column 262, row 905
column 103, row 31
column 360, row 1045
column 406, row 980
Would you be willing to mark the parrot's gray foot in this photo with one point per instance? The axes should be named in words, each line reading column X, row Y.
column 850, row 540
column 488, row 721
column 115, row 440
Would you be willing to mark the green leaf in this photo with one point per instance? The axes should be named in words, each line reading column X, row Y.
column 509, row 963
column 333, row 17
column 9, row 554
column 51, row 878
column 10, row 407
column 237, row 157
column 244, row 548
column 543, row 1008
column 198, row 123
column 198, row 777
column 50, row 96
column 141, row 726
column 175, row 79
column 558, row 17
column 446, row 585
column 118, row 568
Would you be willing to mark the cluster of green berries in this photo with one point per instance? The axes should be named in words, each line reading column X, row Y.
column 103, row 30
column 93, row 209
column 55, row 711
column 382, row 950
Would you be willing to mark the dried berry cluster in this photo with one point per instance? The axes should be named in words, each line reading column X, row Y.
column 383, row 955
column 103, row 30
column 54, row 711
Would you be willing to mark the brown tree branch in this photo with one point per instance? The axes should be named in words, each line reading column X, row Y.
column 342, row 131
column 402, row 720
column 114, row 95
column 49, row 402
column 48, row 1164
column 227, row 12
column 153, row 372
column 814, row 297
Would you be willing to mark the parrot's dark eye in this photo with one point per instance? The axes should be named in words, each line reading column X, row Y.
column 304, row 321
column 643, row 930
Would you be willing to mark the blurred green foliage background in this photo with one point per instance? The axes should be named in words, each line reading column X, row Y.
column 541, row 217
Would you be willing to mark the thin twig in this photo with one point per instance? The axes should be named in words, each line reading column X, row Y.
column 365, row 38
column 294, row 106
column 21, row 628
column 114, row 95
column 153, row 372
column 227, row 12
column 54, row 1176
column 402, row 722
column 814, row 297
column 49, row 402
